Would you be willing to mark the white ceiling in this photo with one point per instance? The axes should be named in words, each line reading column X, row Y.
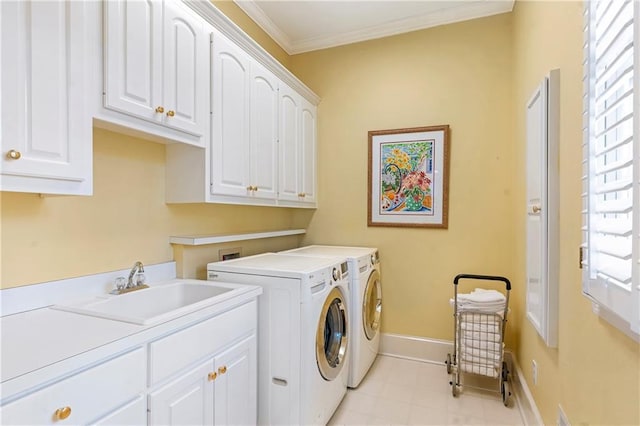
column 304, row 25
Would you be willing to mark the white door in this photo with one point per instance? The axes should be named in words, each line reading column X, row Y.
column 289, row 135
column 46, row 130
column 230, row 80
column 133, row 58
column 308, row 152
column 542, row 182
column 188, row 400
column 264, row 132
column 236, row 385
column 186, row 67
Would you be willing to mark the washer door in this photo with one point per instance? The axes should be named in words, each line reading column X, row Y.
column 331, row 337
column 372, row 305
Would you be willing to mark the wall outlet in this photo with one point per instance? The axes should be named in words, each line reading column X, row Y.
column 534, row 371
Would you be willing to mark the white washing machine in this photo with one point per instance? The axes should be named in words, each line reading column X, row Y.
column 303, row 349
column 366, row 303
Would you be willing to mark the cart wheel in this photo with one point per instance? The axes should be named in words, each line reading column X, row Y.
column 505, row 391
column 505, row 371
column 448, row 362
column 454, row 388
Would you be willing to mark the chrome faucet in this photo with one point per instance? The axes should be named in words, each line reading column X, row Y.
column 138, row 267
column 125, row 286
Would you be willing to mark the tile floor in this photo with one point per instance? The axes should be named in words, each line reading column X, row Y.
column 403, row 392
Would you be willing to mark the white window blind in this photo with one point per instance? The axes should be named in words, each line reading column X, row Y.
column 611, row 205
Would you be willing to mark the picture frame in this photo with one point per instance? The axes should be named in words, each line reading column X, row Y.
column 408, row 183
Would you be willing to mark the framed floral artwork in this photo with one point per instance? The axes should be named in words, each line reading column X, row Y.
column 409, row 177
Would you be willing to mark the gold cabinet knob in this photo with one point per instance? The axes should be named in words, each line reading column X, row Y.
column 302, row 194
column 171, row 113
column 160, row 110
column 255, row 188
column 212, row 376
column 62, row 413
column 222, row 369
column 537, row 209
column 14, row 155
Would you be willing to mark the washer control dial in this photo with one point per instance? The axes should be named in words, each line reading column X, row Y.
column 335, row 274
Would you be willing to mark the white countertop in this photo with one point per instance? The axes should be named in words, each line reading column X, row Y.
column 39, row 345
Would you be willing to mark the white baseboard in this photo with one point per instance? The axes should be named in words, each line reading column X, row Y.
column 435, row 351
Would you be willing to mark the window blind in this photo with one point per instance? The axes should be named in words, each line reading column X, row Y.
column 610, row 191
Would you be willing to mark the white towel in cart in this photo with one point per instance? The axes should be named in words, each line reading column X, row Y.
column 489, row 325
column 484, row 370
column 476, row 340
column 481, row 300
column 481, row 356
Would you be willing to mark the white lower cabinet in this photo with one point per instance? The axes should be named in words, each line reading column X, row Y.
column 83, row 398
column 235, row 384
column 188, row 400
column 219, row 391
column 204, row 374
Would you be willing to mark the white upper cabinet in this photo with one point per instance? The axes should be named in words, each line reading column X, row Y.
column 231, row 86
column 156, row 67
column 245, row 124
column 46, row 132
column 264, row 132
column 297, row 150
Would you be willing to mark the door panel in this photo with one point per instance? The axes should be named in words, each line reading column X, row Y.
column 185, row 70
column 264, row 131
column 133, row 67
column 289, row 155
column 230, row 133
column 185, row 401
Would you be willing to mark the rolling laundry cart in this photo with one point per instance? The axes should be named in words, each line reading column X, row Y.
column 480, row 319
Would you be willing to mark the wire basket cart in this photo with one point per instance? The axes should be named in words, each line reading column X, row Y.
column 478, row 343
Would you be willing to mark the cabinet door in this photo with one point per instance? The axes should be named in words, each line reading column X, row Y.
column 46, row 126
column 230, row 166
column 289, row 153
column 308, row 152
column 264, row 132
column 133, row 67
column 236, row 384
column 187, row 400
column 186, row 67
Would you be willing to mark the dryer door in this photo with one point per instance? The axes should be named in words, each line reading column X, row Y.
column 372, row 305
column 331, row 337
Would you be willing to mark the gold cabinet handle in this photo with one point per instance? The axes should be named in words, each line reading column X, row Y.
column 160, row 110
column 171, row 113
column 252, row 188
column 222, row 369
column 302, row 194
column 14, row 155
column 255, row 188
column 537, row 209
column 62, row 413
column 212, row 376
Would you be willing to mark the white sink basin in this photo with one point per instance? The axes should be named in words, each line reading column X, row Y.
column 156, row 303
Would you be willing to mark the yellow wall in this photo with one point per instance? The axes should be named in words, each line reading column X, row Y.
column 56, row 237
column 458, row 75
column 595, row 372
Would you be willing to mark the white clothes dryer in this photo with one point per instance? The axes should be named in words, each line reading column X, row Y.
column 303, row 349
column 366, row 302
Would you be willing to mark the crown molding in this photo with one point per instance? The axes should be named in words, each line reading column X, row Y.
column 463, row 12
column 256, row 13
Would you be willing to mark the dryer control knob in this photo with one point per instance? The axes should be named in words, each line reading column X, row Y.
column 335, row 274
column 373, row 259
